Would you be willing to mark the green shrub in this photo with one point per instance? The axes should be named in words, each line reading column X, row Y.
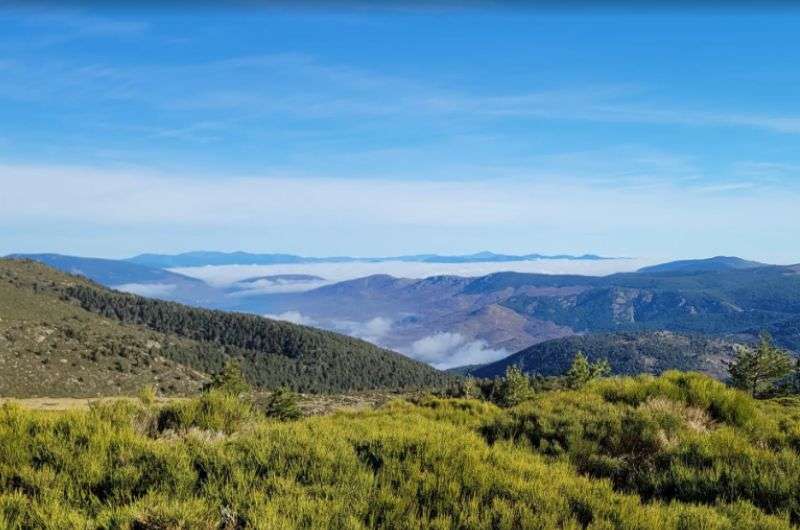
column 282, row 405
column 513, row 389
column 679, row 437
column 231, row 380
column 644, row 453
column 470, row 388
column 582, row 371
column 216, row 411
column 147, row 395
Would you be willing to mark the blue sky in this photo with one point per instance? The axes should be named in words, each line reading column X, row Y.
column 370, row 132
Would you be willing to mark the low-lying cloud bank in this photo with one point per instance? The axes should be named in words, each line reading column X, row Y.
column 270, row 286
column 447, row 350
column 229, row 275
column 295, row 317
column 374, row 330
column 154, row 290
column 441, row 350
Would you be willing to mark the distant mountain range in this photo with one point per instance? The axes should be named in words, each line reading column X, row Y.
column 450, row 319
column 512, row 311
column 202, row 258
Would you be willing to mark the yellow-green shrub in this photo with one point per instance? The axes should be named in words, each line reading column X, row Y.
column 568, row 459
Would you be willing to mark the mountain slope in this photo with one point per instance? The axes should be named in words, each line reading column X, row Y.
column 51, row 347
column 786, row 333
column 108, row 271
column 132, row 277
column 114, row 343
column 717, row 263
column 731, row 301
column 536, row 307
column 627, row 353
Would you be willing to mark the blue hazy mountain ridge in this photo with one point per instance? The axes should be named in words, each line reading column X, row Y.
column 203, row 258
column 109, row 272
column 508, row 310
column 717, row 263
column 132, row 277
column 283, row 278
column 538, row 307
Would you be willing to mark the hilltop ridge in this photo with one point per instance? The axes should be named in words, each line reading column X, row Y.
column 62, row 334
column 717, row 263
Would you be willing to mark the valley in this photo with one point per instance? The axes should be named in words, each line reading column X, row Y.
column 407, row 265
column 449, row 321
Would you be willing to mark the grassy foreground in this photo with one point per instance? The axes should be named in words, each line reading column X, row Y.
column 677, row 451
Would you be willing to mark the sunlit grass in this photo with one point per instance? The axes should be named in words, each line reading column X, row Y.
column 679, row 451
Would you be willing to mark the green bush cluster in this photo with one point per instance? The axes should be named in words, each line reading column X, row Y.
column 676, row 452
column 680, row 437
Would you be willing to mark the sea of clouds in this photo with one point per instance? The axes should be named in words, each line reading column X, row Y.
column 442, row 349
column 227, row 275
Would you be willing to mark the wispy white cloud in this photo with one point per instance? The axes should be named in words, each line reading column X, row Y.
column 773, row 172
column 295, row 317
column 266, row 286
column 51, row 25
column 255, row 86
column 373, row 330
column 80, row 22
column 154, row 290
column 572, row 208
column 447, row 350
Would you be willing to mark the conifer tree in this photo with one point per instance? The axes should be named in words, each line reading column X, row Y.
column 230, row 380
column 516, row 387
column 582, row 371
column 282, row 405
column 756, row 369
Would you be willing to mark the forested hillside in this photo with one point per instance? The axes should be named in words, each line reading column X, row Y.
column 626, row 352
column 65, row 335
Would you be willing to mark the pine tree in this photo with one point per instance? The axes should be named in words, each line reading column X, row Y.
column 756, row 369
column 516, row 387
column 282, row 405
column 582, row 371
column 600, row 368
column 230, row 380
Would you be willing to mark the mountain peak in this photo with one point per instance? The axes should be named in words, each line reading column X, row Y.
column 716, row 263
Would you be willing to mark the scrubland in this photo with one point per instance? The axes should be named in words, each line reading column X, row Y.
column 676, row 451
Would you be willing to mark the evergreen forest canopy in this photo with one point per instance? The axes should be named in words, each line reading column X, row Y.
column 64, row 335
